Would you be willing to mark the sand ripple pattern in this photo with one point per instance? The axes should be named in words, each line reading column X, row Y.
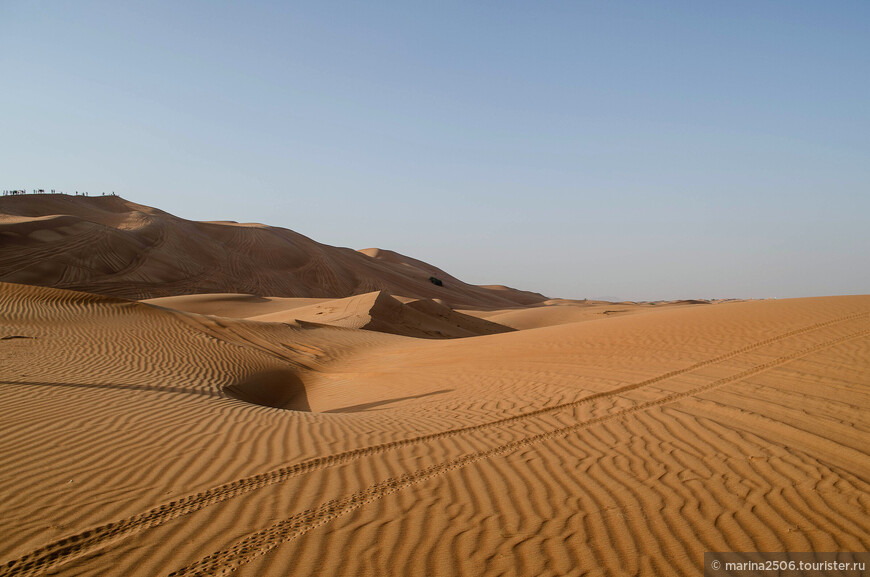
column 262, row 542
column 300, row 523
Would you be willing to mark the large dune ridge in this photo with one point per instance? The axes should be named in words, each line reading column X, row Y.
column 109, row 245
column 206, row 403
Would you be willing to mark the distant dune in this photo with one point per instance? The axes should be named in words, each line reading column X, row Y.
column 376, row 311
column 111, row 246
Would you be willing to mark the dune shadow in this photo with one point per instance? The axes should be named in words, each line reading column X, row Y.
column 280, row 389
column 366, row 406
column 118, row 386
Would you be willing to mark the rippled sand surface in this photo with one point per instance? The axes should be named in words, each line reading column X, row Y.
column 142, row 440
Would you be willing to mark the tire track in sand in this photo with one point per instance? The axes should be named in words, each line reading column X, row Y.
column 64, row 550
column 261, row 542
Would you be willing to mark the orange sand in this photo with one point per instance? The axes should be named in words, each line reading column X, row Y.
column 140, row 440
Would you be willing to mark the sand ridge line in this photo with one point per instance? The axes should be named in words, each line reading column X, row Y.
column 63, row 550
column 259, row 543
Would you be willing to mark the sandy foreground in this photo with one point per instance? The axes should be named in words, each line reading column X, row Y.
column 137, row 439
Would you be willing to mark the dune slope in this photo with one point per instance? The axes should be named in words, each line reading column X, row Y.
column 376, row 311
column 111, row 246
column 137, row 440
column 380, row 311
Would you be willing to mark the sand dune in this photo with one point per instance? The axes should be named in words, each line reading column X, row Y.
column 420, row 269
column 376, row 311
column 380, row 311
column 140, row 440
column 233, row 305
column 563, row 311
column 111, row 246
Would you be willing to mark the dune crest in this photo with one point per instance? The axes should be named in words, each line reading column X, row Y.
column 382, row 312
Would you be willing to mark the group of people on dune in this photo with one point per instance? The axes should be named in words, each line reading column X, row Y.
column 42, row 191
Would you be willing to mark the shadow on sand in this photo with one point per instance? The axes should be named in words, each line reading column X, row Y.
column 278, row 389
column 281, row 389
column 366, row 406
column 119, row 386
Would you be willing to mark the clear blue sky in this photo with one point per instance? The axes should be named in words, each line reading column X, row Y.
column 641, row 150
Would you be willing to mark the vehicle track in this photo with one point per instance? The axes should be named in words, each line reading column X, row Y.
column 150, row 245
column 261, row 542
column 15, row 261
column 64, row 550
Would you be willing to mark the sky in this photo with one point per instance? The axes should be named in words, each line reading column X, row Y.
column 631, row 150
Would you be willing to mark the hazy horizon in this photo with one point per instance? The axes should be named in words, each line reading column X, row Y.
column 577, row 150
